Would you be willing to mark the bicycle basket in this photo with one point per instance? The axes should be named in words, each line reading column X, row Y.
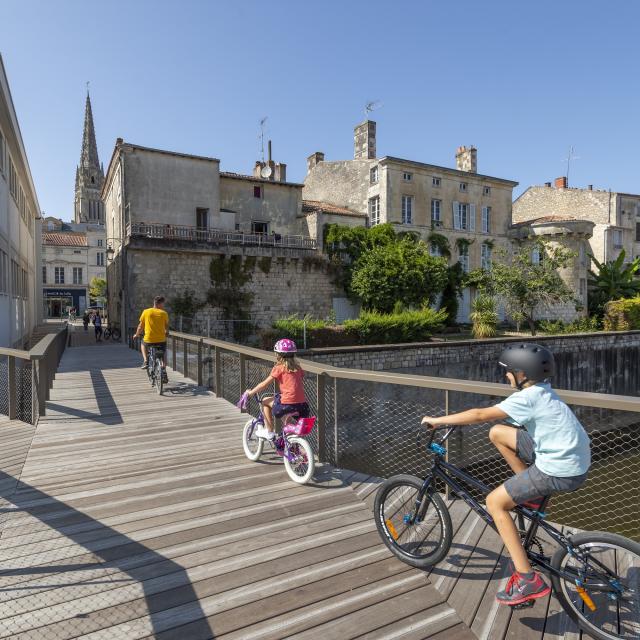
column 300, row 428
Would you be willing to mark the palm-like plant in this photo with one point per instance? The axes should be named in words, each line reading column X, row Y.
column 612, row 281
column 484, row 317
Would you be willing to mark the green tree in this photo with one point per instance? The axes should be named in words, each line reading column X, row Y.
column 613, row 281
column 484, row 317
column 98, row 289
column 525, row 284
column 399, row 270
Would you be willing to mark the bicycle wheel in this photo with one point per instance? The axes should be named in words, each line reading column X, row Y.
column 609, row 607
column 251, row 444
column 157, row 372
column 300, row 463
column 422, row 543
column 115, row 334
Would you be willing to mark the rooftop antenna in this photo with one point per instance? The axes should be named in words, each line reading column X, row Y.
column 262, row 127
column 570, row 156
column 370, row 106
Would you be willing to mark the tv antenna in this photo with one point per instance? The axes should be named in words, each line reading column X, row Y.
column 262, row 128
column 370, row 106
column 570, row 156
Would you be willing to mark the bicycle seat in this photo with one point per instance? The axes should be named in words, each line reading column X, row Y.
column 301, row 428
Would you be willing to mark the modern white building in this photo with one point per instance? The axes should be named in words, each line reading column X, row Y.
column 20, row 292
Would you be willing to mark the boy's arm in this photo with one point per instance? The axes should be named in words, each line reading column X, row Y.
column 471, row 416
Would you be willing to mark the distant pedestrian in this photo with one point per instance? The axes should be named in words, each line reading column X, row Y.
column 97, row 322
column 85, row 320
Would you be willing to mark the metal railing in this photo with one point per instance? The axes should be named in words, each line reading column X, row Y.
column 370, row 422
column 160, row 231
column 26, row 377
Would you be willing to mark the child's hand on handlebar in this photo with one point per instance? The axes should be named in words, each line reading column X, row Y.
column 431, row 423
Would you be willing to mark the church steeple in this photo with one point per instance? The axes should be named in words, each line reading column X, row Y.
column 89, row 174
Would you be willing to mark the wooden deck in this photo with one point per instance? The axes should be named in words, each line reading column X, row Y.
column 126, row 515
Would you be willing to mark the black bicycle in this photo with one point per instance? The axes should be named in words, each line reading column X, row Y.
column 595, row 575
column 154, row 367
column 112, row 332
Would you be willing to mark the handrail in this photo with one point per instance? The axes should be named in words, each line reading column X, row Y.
column 580, row 398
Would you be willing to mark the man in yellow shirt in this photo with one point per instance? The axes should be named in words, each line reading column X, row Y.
column 154, row 323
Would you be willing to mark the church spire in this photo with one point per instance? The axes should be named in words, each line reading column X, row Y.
column 89, row 154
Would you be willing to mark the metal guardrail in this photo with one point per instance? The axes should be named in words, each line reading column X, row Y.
column 369, row 421
column 26, row 377
column 159, row 231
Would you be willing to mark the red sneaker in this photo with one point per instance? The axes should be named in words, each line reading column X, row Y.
column 519, row 590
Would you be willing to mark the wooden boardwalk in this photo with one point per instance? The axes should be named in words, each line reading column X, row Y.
column 126, row 515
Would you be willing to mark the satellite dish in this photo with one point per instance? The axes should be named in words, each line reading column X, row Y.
column 265, row 172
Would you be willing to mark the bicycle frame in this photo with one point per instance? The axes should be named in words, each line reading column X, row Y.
column 154, row 353
column 448, row 473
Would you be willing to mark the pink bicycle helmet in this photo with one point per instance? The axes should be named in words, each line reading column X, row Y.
column 285, row 346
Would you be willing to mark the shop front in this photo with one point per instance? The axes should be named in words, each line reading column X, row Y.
column 58, row 302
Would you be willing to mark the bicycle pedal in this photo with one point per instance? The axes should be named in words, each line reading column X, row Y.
column 523, row 605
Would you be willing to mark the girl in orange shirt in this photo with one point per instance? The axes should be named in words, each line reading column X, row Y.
column 291, row 399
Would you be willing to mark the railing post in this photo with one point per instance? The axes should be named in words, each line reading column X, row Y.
column 218, row 372
column 447, row 491
column 200, row 362
column 13, row 390
column 173, row 353
column 43, row 385
column 185, row 357
column 335, row 423
column 243, row 373
column 321, row 391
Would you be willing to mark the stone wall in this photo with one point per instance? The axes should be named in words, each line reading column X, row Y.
column 280, row 282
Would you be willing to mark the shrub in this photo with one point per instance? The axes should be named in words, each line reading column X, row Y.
column 293, row 327
column 622, row 315
column 409, row 326
column 580, row 325
column 484, row 317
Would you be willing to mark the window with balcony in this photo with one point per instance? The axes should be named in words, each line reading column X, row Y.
column 407, row 209
column 202, row 218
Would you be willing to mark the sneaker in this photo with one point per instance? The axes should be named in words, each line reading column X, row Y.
column 144, row 365
column 263, row 432
column 519, row 590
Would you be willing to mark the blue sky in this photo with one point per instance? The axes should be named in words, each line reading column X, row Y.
column 522, row 80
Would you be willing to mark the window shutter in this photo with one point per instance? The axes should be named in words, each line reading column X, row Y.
column 484, row 220
column 456, row 215
column 472, row 217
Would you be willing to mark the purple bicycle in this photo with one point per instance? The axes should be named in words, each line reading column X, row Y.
column 291, row 444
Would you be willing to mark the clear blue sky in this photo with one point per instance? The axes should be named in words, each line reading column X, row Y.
column 520, row 80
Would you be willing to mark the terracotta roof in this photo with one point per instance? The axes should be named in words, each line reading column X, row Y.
column 66, row 239
column 547, row 219
column 311, row 206
column 242, row 176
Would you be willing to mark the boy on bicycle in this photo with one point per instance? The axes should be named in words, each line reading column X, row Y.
column 154, row 324
column 544, row 444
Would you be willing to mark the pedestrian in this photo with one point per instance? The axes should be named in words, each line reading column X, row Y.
column 85, row 320
column 97, row 322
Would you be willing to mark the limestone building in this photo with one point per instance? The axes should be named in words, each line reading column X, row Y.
column 615, row 216
column 471, row 210
column 20, row 293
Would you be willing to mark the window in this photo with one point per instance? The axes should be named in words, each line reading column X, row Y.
column 463, row 187
column 407, row 177
column 485, row 256
column 15, row 279
column 373, row 174
column 59, row 275
column 407, row 209
column 13, row 180
column 202, row 217
column 637, row 231
column 100, row 259
column 617, row 238
column 77, row 275
column 257, row 192
column 435, row 250
column 435, row 211
column 260, row 227
column 486, row 191
column 374, row 210
column 536, row 256
column 463, row 258
column 44, row 275
column 435, row 182
column 486, row 219
column 100, row 242
column 464, row 216
column 77, row 251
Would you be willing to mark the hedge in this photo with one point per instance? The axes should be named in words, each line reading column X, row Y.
column 622, row 315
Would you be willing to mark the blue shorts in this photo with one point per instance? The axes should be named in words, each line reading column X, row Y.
column 279, row 409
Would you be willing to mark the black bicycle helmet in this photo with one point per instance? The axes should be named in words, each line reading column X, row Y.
column 536, row 362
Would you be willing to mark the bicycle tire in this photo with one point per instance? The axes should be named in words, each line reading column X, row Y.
column 248, row 436
column 295, row 444
column 383, row 510
column 158, row 376
column 579, row 611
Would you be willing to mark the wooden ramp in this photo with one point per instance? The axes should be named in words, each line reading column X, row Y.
column 127, row 515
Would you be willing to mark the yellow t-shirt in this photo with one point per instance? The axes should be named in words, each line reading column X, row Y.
column 155, row 323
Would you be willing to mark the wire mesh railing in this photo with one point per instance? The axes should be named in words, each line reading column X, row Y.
column 370, row 422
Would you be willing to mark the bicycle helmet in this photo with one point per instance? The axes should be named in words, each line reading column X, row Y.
column 285, row 346
column 536, row 362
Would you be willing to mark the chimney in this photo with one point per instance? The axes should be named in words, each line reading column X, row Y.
column 467, row 159
column 561, row 183
column 547, row 184
column 119, row 141
column 364, row 141
column 313, row 160
column 590, row 187
column 280, row 173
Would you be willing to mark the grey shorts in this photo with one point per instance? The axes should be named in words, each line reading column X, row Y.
column 533, row 483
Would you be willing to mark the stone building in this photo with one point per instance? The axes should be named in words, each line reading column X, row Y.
column 615, row 216
column 472, row 211
column 176, row 223
column 20, row 293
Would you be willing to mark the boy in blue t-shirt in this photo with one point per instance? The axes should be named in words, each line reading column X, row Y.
column 550, row 454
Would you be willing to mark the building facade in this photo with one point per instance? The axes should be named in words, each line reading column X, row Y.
column 615, row 216
column 470, row 210
column 20, row 293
